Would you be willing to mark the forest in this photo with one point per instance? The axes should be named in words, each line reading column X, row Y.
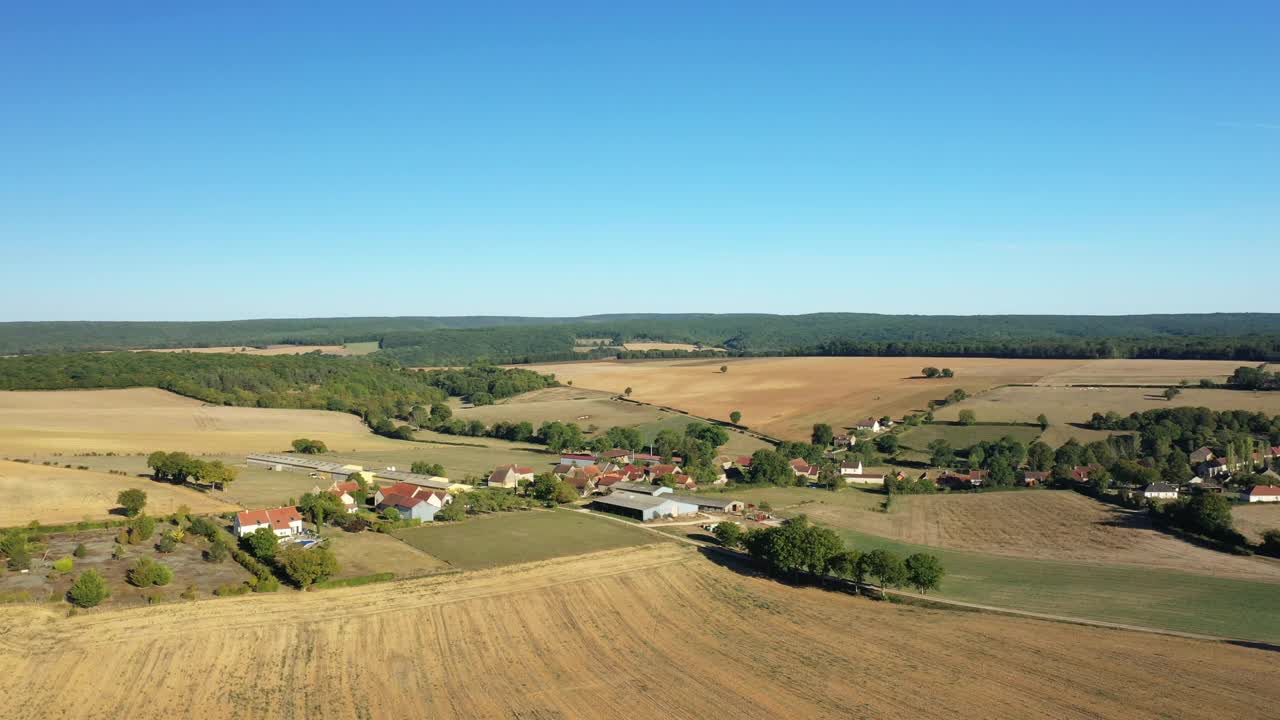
column 417, row 341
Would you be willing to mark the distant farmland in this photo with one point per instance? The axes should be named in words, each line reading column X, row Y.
column 786, row 396
column 1077, row 404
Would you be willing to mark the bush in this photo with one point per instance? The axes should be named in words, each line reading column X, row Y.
column 64, row 565
column 1271, row 543
column 203, row 527
column 262, row 543
column 728, row 533
column 217, row 551
column 307, row 566
column 166, row 545
column 141, row 529
column 80, row 551
column 147, row 573
column 118, row 553
column 189, row 593
column 89, row 590
column 231, row 589
column 356, row 581
column 132, row 501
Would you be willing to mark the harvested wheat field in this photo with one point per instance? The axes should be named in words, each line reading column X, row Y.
column 786, row 396
column 646, row 346
column 1254, row 519
column 56, row 495
column 139, row 420
column 1077, row 404
column 668, row 635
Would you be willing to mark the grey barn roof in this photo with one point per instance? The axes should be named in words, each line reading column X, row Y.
column 427, row 481
column 298, row 461
column 643, row 488
column 633, row 502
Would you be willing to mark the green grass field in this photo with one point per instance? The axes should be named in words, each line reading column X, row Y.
column 510, row 538
column 1152, row 597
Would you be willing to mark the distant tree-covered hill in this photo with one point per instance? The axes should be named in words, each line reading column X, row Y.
column 457, row 340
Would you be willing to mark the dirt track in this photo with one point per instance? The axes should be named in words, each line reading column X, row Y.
column 653, row 632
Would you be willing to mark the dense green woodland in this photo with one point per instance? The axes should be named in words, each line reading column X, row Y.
column 373, row 388
column 436, row 341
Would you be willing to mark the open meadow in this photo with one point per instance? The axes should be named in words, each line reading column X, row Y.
column 363, row 348
column 55, row 495
column 506, row 538
column 786, row 396
column 139, row 420
column 1253, row 519
column 1055, row 552
column 594, row 409
column 650, row 632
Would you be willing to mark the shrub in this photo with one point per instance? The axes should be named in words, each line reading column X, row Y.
column 118, row 553
column 231, row 589
column 189, row 593
column 89, row 590
column 1271, row 543
column 728, row 533
column 147, row 572
column 262, row 543
column 217, row 551
column 80, row 551
column 132, row 501
column 203, row 527
column 307, row 566
column 141, row 529
column 64, row 565
column 166, row 545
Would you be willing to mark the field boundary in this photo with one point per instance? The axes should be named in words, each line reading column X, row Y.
column 727, row 425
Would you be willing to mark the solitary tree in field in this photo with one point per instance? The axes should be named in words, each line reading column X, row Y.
column 132, row 501
column 627, row 392
column 734, row 417
column 968, row 417
column 89, row 590
column 1171, row 393
column 947, row 372
column 1044, row 421
column 931, row 372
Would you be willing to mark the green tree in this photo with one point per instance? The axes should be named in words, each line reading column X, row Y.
column 724, row 368
column 1043, row 420
column 307, row 566
column 948, row 373
column 217, row 551
column 845, row 565
column 769, row 466
column 141, row 528
column 887, row 444
column 885, row 567
column 941, row 454
column 730, row 534
column 565, row 493
column 931, row 372
column 262, row 544
column 147, row 573
column 89, row 590
column 309, row 447
column 452, row 512
column 544, row 486
column 1040, row 456
column 424, row 467
column 1270, row 543
column 924, row 572
column 968, row 417
column 627, row 392
column 822, row 435
column 440, row 412
column 132, row 500
column 735, row 417
column 1171, row 393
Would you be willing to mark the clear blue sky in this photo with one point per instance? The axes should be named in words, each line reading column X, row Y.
column 546, row 158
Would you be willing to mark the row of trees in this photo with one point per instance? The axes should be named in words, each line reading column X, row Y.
column 798, row 547
column 933, row 372
column 180, row 468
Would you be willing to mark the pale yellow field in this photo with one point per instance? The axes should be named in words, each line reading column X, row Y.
column 1077, row 404
column 1254, row 519
column 140, row 420
column 642, row 346
column 650, row 632
column 55, row 495
column 786, row 396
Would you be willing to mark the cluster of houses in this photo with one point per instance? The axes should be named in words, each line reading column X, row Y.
column 348, row 472
column 598, row 474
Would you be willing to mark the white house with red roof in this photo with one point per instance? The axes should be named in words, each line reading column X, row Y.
column 1263, row 493
column 284, row 521
column 413, row 502
column 802, row 468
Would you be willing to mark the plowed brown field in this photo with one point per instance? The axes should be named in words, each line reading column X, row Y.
column 652, row 632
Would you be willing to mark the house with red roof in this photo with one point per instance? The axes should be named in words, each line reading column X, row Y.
column 283, row 521
column 616, row 455
column 413, row 502
column 685, row 482
column 1263, row 493
column 802, row 468
column 582, row 480
column 658, row 471
column 633, row 472
column 743, row 462
column 608, row 480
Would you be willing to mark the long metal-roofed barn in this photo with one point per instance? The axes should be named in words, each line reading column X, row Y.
column 426, row 481
column 301, row 463
column 643, row 507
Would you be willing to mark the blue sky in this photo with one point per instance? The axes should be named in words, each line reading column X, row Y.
column 553, row 158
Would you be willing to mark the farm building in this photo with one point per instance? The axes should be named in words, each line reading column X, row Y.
column 1160, row 491
column 803, row 469
column 437, row 497
column 657, row 471
column 862, row 478
column 283, row 521
column 868, row 424
column 642, row 488
column 426, row 481
column 1034, row 478
column 509, row 476
column 577, row 460
column 301, row 463
column 1263, row 493
column 650, row 459
column 1201, row 455
column 616, row 455
column 714, row 504
column 413, row 502
column 644, row 507
column 851, row 468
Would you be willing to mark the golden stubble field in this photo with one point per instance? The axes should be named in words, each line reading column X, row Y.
column 56, row 495
column 140, row 420
column 786, row 396
column 650, row 632
column 1077, row 404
